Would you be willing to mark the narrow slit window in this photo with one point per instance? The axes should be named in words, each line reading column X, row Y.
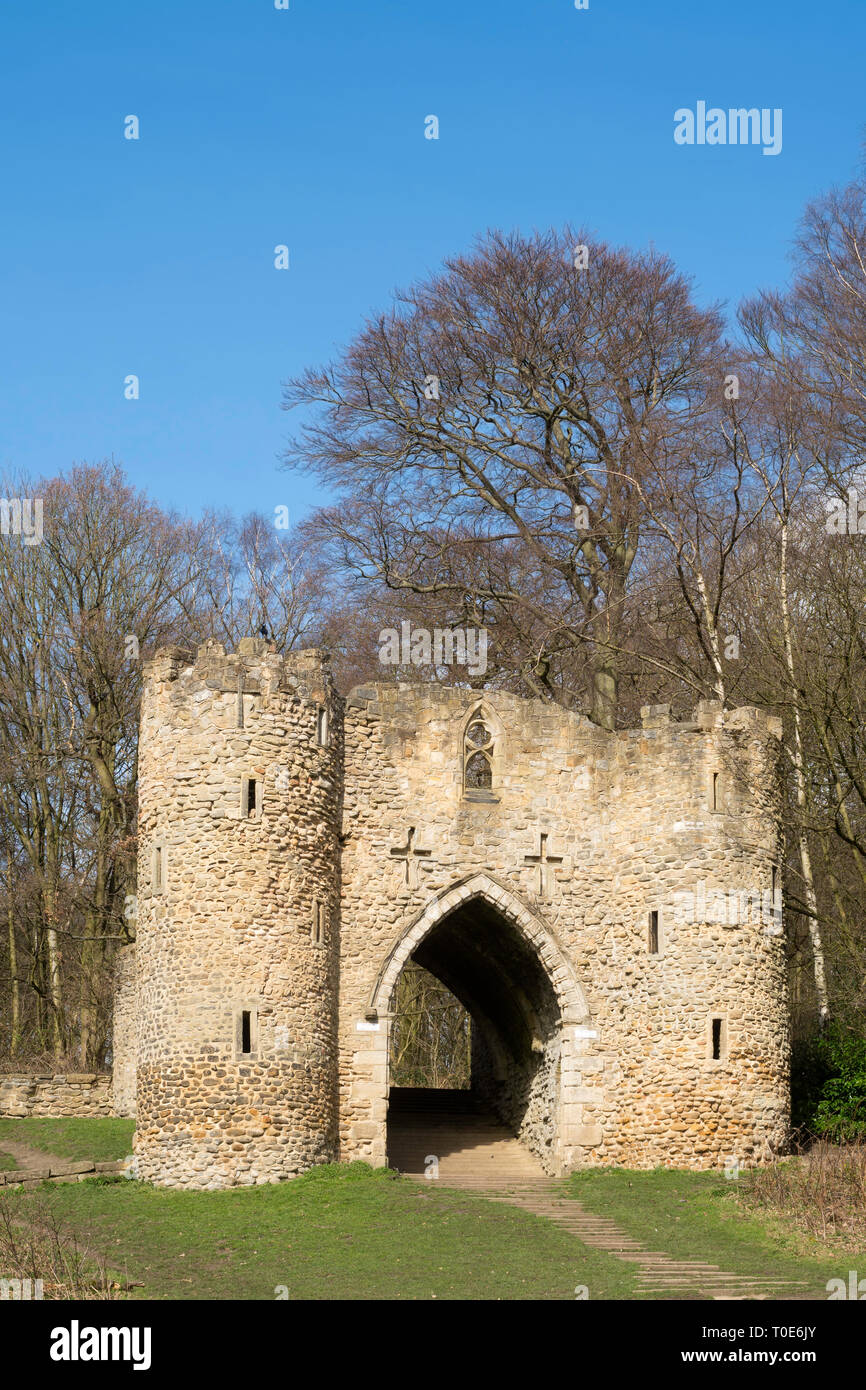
column 653, row 934
column 775, row 884
column 322, row 727
column 718, row 1040
column 158, row 869
column 251, row 798
column 320, row 919
column 716, row 791
column 246, row 1032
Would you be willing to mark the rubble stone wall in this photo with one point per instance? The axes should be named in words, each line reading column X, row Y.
column 75, row 1094
column 257, row 1010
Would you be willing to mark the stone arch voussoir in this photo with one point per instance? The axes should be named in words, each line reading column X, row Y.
column 572, row 1000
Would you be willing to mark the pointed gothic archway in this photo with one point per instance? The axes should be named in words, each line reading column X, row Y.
column 504, row 964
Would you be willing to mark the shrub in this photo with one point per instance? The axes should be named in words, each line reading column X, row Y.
column 822, row 1192
column 810, row 1069
column 840, row 1114
column 34, row 1246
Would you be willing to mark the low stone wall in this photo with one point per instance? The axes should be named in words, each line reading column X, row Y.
column 58, row 1172
column 76, row 1094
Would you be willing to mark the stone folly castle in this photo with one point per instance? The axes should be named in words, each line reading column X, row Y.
column 605, row 905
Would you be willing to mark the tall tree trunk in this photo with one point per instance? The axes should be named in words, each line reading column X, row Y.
column 604, row 691
column 798, row 763
column 15, row 989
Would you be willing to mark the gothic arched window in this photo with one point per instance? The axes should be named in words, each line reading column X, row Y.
column 477, row 756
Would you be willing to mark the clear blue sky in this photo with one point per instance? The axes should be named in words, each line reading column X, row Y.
column 306, row 127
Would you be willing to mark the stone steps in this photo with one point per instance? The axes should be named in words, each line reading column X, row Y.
column 477, row 1155
column 469, row 1143
column 657, row 1271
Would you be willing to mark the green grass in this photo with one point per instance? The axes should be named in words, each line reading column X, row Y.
column 352, row 1232
column 698, row 1216
column 102, row 1139
column 339, row 1232
column 7, row 1162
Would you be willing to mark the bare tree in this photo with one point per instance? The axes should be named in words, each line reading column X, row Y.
column 515, row 400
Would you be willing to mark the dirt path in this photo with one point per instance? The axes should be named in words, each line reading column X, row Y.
column 28, row 1158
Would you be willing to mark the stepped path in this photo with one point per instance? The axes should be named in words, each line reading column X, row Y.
column 477, row 1154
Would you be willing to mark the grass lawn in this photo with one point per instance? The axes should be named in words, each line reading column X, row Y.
column 698, row 1216
column 101, row 1139
column 7, row 1162
column 339, row 1232
column 353, row 1232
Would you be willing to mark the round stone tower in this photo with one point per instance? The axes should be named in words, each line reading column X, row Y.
column 240, row 788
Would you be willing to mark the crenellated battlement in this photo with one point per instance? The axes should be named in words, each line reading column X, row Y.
column 256, row 662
